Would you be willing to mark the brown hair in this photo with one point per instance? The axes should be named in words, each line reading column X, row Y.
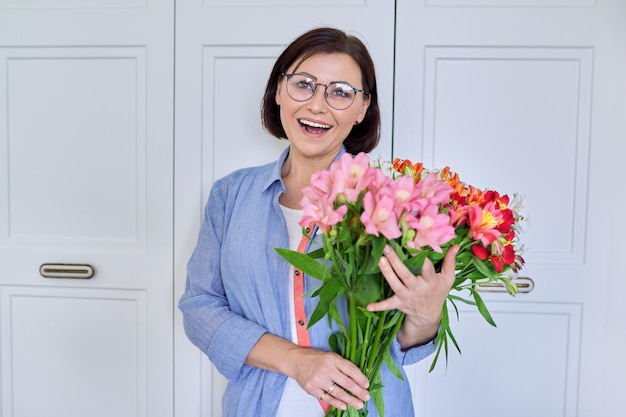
column 364, row 136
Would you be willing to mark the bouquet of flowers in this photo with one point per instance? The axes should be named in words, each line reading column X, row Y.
column 360, row 208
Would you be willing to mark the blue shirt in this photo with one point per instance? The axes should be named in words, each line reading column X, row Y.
column 236, row 291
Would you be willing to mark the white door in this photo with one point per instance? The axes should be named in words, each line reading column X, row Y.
column 86, row 181
column 528, row 96
column 224, row 53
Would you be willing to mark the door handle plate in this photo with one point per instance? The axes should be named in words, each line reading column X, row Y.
column 524, row 286
column 70, row 271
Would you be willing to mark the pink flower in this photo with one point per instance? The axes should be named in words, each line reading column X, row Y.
column 432, row 228
column 321, row 212
column 321, row 182
column 377, row 180
column 348, row 175
column 407, row 196
column 434, row 190
column 378, row 215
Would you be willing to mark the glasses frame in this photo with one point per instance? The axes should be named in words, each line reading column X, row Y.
column 356, row 90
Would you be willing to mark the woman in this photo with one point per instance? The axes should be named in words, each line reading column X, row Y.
column 243, row 304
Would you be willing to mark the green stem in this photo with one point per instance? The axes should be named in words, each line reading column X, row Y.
column 379, row 331
column 353, row 328
column 390, row 338
column 365, row 346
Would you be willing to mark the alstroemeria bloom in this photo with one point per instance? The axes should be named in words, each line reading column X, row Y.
column 348, row 175
column 499, row 255
column 407, row 168
column 483, row 222
column 433, row 190
column 319, row 209
column 432, row 228
column 407, row 196
column 502, row 203
column 321, row 183
column 378, row 215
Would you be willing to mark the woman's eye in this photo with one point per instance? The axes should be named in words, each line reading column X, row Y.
column 304, row 85
column 341, row 92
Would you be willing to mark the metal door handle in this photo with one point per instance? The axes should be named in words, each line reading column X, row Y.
column 523, row 284
column 72, row 271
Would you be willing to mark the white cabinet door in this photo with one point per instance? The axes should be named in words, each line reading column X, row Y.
column 527, row 96
column 224, row 53
column 86, row 178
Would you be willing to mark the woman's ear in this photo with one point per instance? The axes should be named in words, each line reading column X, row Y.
column 277, row 97
column 364, row 106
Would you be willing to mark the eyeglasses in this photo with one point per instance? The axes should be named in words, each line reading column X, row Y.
column 339, row 95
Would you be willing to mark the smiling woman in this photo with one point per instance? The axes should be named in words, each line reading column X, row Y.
column 321, row 96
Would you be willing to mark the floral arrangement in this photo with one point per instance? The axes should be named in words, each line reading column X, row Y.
column 359, row 209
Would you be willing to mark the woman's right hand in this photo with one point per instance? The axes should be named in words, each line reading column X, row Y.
column 324, row 375
column 329, row 377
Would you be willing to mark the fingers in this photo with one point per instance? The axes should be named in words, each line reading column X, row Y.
column 448, row 269
column 349, row 386
column 405, row 285
column 339, row 397
column 333, row 379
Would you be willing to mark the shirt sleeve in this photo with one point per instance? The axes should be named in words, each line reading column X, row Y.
column 412, row 355
column 210, row 324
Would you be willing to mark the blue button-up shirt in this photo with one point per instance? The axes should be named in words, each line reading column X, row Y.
column 237, row 290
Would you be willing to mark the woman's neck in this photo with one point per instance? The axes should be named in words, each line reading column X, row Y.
column 296, row 174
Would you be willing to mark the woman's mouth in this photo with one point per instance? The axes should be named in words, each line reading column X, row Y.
column 313, row 127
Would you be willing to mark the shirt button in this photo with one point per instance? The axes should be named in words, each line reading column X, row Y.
column 297, row 272
column 308, row 230
column 301, row 322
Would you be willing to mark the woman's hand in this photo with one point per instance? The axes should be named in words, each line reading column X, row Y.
column 324, row 375
column 329, row 377
column 420, row 297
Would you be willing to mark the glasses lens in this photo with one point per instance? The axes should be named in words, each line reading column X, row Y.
column 300, row 87
column 340, row 95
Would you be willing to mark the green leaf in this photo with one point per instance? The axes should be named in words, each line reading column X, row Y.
column 456, row 309
column 303, row 262
column 392, row 366
column 320, row 311
column 456, row 345
column 463, row 300
column 369, row 289
column 482, row 307
column 376, row 392
column 367, row 313
column 416, row 262
column 317, row 254
column 328, row 293
column 437, row 352
column 482, row 267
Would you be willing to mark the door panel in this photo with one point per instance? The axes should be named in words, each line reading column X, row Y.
column 224, row 53
column 77, row 176
column 60, row 330
column 512, row 101
column 86, row 177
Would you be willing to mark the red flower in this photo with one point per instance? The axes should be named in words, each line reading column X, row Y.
column 499, row 255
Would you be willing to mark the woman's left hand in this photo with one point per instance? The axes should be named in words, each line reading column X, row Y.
column 420, row 297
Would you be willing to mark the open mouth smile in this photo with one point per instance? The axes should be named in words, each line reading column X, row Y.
column 313, row 127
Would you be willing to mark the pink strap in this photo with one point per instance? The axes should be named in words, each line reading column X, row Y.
column 302, row 332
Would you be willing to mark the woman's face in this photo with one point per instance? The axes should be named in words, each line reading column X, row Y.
column 313, row 127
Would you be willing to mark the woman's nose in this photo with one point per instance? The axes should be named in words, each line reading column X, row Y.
column 318, row 101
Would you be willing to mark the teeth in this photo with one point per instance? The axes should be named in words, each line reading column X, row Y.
column 313, row 124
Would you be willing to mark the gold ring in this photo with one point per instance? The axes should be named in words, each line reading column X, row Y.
column 332, row 387
column 322, row 397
